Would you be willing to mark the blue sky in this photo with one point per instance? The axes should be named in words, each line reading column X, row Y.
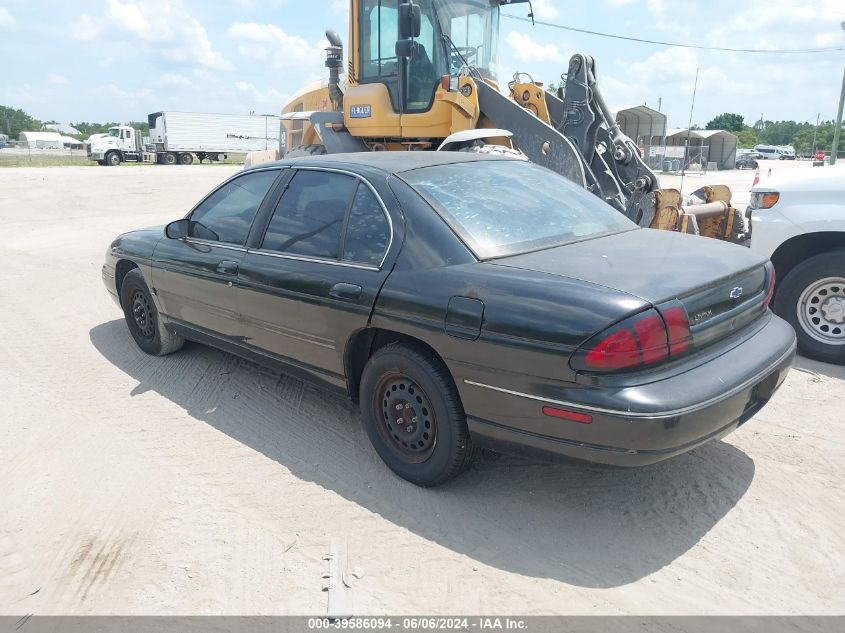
column 103, row 60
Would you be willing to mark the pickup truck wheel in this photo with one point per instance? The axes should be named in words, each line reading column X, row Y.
column 113, row 159
column 169, row 158
column 186, row 159
column 413, row 415
column 143, row 319
column 812, row 299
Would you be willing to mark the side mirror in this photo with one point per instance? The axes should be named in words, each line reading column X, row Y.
column 409, row 20
column 406, row 48
column 177, row 230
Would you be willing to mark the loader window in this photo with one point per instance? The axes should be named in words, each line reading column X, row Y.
column 379, row 30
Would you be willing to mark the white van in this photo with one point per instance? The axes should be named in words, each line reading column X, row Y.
column 775, row 152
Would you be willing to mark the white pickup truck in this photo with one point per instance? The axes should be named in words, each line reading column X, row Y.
column 798, row 221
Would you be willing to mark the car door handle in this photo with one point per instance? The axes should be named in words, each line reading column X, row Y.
column 346, row 291
column 227, row 267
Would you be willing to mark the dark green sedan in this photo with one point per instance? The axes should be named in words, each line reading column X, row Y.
column 464, row 300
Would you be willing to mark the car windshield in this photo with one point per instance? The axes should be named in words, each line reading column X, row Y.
column 114, row 132
column 505, row 207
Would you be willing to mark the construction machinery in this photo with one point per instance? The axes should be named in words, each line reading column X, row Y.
column 421, row 76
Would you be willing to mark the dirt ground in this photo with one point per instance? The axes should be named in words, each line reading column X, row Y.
column 201, row 484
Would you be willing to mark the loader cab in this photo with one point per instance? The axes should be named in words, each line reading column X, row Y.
column 452, row 34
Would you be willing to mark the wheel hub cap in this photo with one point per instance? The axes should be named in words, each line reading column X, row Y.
column 821, row 310
column 142, row 314
column 408, row 422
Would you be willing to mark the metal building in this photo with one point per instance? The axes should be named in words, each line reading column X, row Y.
column 646, row 127
column 720, row 144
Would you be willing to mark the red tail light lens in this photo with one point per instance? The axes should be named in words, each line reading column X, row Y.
column 770, row 289
column 648, row 338
column 677, row 327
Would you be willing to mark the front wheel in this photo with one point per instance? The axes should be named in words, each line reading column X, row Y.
column 413, row 415
column 811, row 297
column 143, row 319
column 113, row 159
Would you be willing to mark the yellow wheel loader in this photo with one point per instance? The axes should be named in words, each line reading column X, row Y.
column 421, row 76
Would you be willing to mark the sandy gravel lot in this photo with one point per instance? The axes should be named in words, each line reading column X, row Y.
column 199, row 483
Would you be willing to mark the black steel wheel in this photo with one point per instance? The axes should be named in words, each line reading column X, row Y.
column 142, row 318
column 408, row 424
column 186, row 159
column 413, row 414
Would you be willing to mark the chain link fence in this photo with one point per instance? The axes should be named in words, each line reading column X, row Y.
column 677, row 158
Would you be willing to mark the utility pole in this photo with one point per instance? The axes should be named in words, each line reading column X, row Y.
column 815, row 132
column 837, row 127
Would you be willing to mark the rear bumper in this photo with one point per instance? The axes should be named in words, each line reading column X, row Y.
column 644, row 424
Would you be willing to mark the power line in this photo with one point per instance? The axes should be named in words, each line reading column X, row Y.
column 661, row 43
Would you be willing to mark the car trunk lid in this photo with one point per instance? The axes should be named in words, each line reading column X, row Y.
column 721, row 286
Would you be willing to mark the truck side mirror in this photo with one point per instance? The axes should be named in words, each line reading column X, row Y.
column 178, row 229
column 409, row 20
column 406, row 48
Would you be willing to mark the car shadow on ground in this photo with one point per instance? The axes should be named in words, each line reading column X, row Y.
column 580, row 524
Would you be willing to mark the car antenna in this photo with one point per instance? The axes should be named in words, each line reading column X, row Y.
column 689, row 132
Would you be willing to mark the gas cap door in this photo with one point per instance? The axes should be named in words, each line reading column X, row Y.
column 464, row 317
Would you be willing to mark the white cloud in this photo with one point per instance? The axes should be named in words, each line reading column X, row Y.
column 175, row 80
column 117, row 93
column 257, row 100
column 619, row 3
column 527, row 49
column 7, row 20
column 267, row 43
column 53, row 78
column 86, row 28
column 165, row 26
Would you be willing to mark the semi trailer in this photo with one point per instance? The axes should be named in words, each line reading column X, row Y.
column 180, row 137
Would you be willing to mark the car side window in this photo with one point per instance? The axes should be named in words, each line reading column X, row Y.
column 309, row 218
column 367, row 232
column 227, row 214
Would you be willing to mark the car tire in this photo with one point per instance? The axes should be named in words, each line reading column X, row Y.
column 407, row 383
column 186, row 159
column 811, row 297
column 143, row 318
column 306, row 150
column 112, row 159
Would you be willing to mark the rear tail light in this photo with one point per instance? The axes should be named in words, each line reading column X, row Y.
column 646, row 339
column 770, row 287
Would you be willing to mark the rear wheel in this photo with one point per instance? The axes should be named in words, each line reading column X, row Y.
column 306, row 150
column 413, row 415
column 812, row 299
column 186, row 159
column 169, row 158
column 143, row 319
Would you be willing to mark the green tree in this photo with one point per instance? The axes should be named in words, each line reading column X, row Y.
column 727, row 121
column 747, row 137
column 13, row 122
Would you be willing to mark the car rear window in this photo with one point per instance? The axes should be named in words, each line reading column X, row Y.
column 505, row 207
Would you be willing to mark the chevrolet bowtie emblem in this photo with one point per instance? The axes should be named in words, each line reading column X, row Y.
column 736, row 293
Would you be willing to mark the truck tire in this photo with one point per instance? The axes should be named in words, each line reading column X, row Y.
column 306, row 150
column 169, row 158
column 186, row 159
column 811, row 298
column 112, row 159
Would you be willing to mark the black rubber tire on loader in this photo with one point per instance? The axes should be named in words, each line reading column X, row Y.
column 306, row 150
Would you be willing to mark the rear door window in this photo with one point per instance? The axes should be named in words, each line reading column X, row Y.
column 227, row 214
column 367, row 232
column 309, row 218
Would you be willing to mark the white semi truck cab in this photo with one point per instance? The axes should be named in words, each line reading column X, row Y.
column 122, row 144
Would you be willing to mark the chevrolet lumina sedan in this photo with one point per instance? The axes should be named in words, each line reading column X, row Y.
column 464, row 300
